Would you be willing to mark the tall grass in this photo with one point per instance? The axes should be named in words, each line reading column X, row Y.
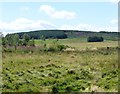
column 61, row 71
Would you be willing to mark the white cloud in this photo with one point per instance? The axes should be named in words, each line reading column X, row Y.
column 52, row 12
column 25, row 8
column 67, row 27
column 114, row 1
column 114, row 21
column 85, row 27
column 25, row 25
column 110, row 28
column 88, row 27
column 22, row 24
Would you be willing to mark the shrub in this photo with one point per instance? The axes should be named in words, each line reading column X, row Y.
column 71, row 72
column 56, row 47
column 95, row 39
column 69, row 88
column 31, row 42
column 55, row 89
column 8, row 50
column 61, row 47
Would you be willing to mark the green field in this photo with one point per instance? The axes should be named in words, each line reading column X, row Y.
column 89, row 67
column 81, row 43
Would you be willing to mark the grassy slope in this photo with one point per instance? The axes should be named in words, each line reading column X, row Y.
column 76, row 71
column 80, row 71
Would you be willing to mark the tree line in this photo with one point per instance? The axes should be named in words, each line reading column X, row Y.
column 14, row 40
column 95, row 39
column 46, row 33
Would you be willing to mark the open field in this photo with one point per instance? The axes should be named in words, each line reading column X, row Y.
column 81, row 44
column 83, row 70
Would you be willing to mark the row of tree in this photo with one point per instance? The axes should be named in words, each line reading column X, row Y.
column 14, row 40
column 95, row 39
column 55, row 34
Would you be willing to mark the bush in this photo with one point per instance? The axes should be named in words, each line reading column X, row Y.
column 31, row 43
column 95, row 39
column 8, row 50
column 56, row 47
column 55, row 89
column 68, row 88
column 61, row 47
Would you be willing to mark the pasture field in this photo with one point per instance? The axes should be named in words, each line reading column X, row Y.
column 90, row 67
column 81, row 44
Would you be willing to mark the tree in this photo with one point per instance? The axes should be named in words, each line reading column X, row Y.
column 20, row 43
column 32, row 42
column 95, row 39
column 26, row 39
column 9, row 39
column 43, row 37
column 4, row 41
column 15, row 40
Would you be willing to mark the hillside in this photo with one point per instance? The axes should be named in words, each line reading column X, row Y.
column 61, row 34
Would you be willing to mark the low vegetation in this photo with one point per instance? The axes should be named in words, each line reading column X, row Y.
column 69, row 71
column 58, row 65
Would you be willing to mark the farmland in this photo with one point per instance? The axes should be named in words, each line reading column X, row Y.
column 90, row 67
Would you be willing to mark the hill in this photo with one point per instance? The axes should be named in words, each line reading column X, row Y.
column 61, row 34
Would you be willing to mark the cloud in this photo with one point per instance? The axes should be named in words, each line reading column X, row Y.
column 85, row 27
column 109, row 28
column 114, row 1
column 52, row 12
column 25, row 8
column 88, row 27
column 114, row 21
column 23, row 24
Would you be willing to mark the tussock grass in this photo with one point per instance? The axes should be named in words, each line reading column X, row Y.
column 66, row 71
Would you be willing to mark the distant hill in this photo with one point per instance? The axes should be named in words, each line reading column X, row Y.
column 46, row 33
column 61, row 34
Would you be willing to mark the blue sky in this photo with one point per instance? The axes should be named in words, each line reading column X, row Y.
column 26, row 16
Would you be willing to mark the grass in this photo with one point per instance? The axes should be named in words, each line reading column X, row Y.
column 81, row 44
column 63, row 71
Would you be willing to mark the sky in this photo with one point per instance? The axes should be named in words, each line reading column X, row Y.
column 29, row 16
